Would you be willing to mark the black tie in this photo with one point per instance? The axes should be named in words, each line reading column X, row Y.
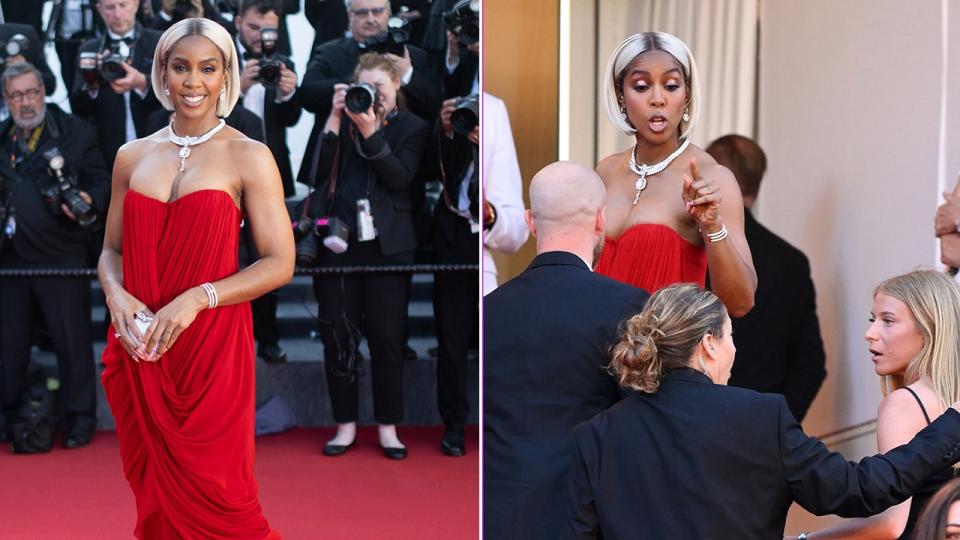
column 129, row 40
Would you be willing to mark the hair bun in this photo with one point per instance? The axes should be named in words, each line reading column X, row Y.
column 635, row 358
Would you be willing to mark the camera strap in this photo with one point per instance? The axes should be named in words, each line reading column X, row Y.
column 331, row 178
column 465, row 214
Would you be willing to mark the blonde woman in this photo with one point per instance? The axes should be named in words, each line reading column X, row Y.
column 914, row 343
column 179, row 372
column 685, row 456
column 672, row 211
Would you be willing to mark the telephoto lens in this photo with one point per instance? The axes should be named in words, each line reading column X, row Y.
column 466, row 114
column 360, row 97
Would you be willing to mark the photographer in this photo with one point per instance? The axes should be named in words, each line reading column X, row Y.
column 368, row 159
column 268, row 88
column 110, row 88
column 461, row 73
column 456, row 235
column 53, row 180
column 166, row 12
column 334, row 62
column 270, row 94
column 31, row 50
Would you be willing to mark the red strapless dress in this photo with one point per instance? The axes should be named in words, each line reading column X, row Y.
column 185, row 423
column 652, row 256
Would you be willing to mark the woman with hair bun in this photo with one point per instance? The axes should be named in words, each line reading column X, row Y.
column 672, row 211
column 685, row 456
column 179, row 363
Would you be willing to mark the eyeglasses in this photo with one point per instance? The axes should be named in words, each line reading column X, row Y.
column 364, row 13
column 17, row 97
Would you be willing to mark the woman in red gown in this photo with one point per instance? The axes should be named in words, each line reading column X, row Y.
column 672, row 211
column 181, row 385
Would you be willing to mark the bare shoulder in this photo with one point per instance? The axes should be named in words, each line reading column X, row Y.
column 134, row 150
column 245, row 151
column 609, row 165
column 897, row 407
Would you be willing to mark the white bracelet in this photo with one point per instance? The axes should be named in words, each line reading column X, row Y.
column 211, row 295
column 719, row 235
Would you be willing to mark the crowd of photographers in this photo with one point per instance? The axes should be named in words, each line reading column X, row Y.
column 391, row 167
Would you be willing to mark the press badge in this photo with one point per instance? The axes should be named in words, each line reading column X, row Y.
column 365, row 229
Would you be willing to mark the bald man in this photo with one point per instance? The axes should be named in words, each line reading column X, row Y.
column 546, row 338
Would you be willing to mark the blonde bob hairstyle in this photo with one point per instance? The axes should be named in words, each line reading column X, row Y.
column 624, row 56
column 933, row 299
column 220, row 38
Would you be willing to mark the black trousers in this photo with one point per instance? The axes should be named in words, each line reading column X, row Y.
column 376, row 305
column 64, row 306
column 455, row 306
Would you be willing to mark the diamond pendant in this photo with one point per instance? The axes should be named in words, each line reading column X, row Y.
column 639, row 185
column 184, row 154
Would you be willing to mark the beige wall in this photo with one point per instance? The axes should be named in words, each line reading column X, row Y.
column 520, row 66
column 849, row 118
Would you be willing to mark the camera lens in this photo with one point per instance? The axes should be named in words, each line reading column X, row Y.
column 360, row 97
column 465, row 115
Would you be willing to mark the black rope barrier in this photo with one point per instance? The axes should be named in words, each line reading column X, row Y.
column 91, row 273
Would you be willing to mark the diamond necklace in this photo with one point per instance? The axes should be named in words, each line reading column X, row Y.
column 186, row 142
column 644, row 170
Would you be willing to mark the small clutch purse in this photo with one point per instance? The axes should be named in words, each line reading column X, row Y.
column 143, row 319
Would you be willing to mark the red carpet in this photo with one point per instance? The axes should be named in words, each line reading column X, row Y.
column 81, row 494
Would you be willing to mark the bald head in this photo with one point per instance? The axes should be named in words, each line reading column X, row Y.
column 566, row 195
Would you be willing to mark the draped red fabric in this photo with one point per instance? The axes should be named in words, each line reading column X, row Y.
column 652, row 256
column 185, row 422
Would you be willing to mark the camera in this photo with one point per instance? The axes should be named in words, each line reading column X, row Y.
column 334, row 232
column 464, row 21
column 360, row 97
column 393, row 40
column 63, row 190
column 270, row 61
column 466, row 114
column 111, row 66
column 87, row 63
column 17, row 44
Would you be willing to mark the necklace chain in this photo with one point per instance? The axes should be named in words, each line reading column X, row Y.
column 644, row 170
column 186, row 142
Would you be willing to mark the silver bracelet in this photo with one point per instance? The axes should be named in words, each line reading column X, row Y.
column 803, row 536
column 719, row 235
column 211, row 294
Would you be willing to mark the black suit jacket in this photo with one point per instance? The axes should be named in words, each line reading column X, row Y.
column 24, row 12
column 42, row 238
column 107, row 111
column 334, row 62
column 328, row 18
column 701, row 460
column 547, row 335
column 779, row 348
column 34, row 53
column 452, row 239
column 277, row 118
column 394, row 154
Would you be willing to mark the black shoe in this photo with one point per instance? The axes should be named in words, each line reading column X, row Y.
column 433, row 352
column 78, row 436
column 394, row 453
column 272, row 354
column 452, row 443
column 337, row 449
column 409, row 354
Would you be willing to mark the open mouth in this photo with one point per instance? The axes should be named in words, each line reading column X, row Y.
column 658, row 123
column 876, row 355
